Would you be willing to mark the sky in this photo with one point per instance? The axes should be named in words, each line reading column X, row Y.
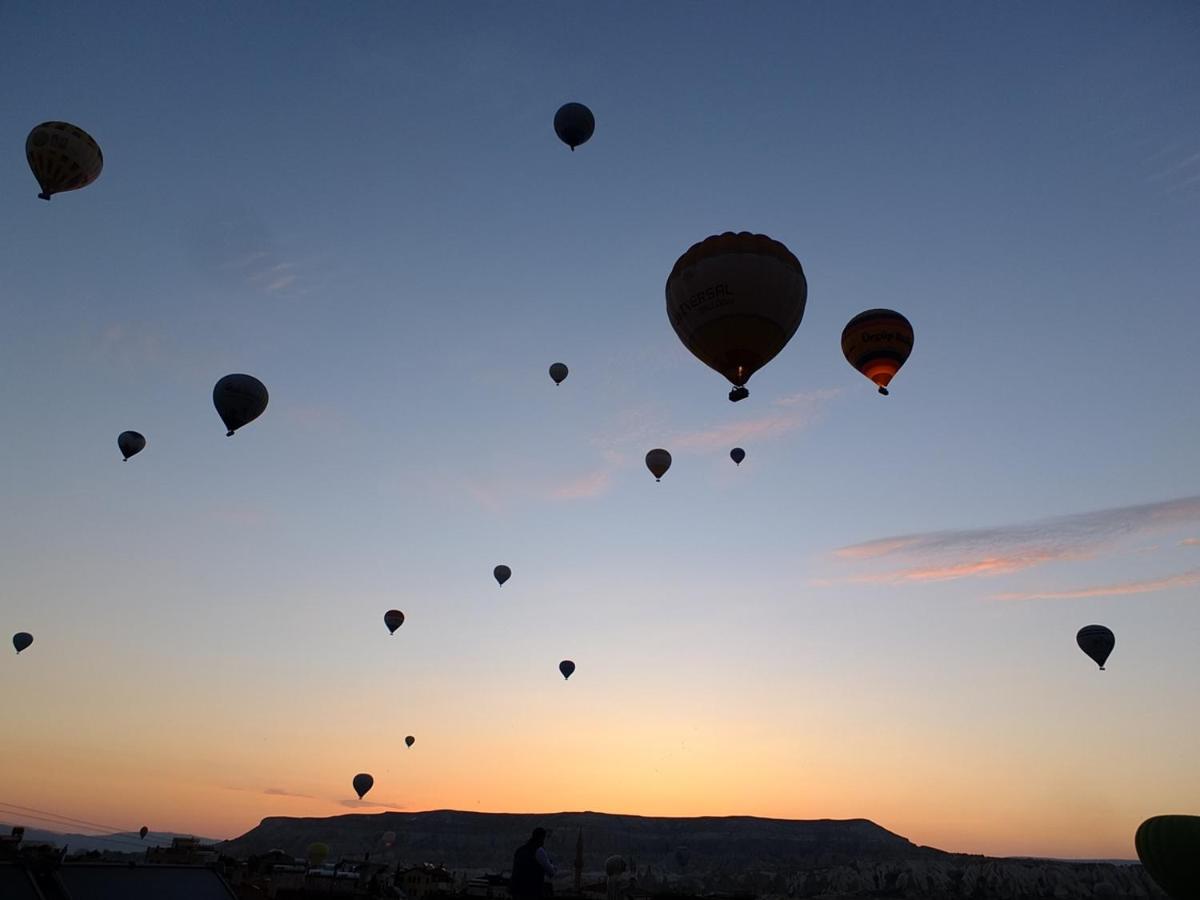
column 365, row 206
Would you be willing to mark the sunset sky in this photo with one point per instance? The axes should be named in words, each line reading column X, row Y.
column 365, row 206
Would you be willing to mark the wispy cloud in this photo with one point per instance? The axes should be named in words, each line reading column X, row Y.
column 1145, row 586
column 586, row 486
column 1190, row 542
column 947, row 555
column 368, row 804
column 796, row 411
column 280, row 792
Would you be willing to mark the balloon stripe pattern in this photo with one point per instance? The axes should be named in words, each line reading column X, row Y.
column 63, row 157
column 877, row 343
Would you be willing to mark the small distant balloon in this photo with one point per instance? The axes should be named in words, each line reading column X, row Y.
column 410, row 740
column 389, row 838
column 362, row 783
column 143, row 831
column 63, row 157
column 614, row 866
column 567, row 668
column 393, row 619
column 658, row 461
column 558, row 372
column 877, row 343
column 22, row 640
column 239, row 399
column 502, row 574
column 130, row 443
column 1097, row 642
column 574, row 124
column 1169, row 848
column 737, row 454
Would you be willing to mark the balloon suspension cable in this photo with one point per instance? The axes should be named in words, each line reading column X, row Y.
column 883, row 391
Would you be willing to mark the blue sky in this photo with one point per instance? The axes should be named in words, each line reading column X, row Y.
column 365, row 206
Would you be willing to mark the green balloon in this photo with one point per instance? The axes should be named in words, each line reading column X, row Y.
column 1169, row 848
column 317, row 853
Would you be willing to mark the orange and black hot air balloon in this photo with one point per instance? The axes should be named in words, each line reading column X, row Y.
column 877, row 342
column 63, row 157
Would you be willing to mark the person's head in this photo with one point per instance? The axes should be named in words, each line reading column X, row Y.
column 538, row 838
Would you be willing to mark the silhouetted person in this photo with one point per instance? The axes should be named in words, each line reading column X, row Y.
column 531, row 866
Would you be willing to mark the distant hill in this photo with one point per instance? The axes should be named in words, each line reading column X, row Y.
column 120, row 842
column 772, row 858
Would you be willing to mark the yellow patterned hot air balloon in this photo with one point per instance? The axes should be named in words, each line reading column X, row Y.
column 877, row 342
column 63, row 157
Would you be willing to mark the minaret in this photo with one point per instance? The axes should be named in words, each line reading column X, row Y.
column 579, row 862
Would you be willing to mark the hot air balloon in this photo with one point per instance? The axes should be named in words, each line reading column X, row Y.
column 1097, row 642
column 393, row 619
column 501, row 574
column 614, row 866
column 1169, row 848
column 737, row 454
column 566, row 667
column 682, row 855
column 22, row 640
column 409, row 741
column 362, row 783
column 317, row 852
column 574, row 124
column 877, row 342
column 143, row 831
column 239, row 399
column 389, row 838
column 658, row 461
column 735, row 300
column 558, row 372
column 63, row 157
column 130, row 443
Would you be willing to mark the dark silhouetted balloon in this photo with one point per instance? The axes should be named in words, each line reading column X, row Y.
column 317, row 852
column 22, row 640
column 614, row 866
column 558, row 372
column 389, row 838
column 362, row 783
column 682, row 855
column 877, row 342
column 1169, row 848
column 737, row 454
column 574, row 124
column 502, row 574
column 130, row 443
column 143, row 831
column 658, row 461
column 63, row 157
column 1097, row 642
column 239, row 399
column 735, row 300
column 393, row 619
column 566, row 667
column 410, row 740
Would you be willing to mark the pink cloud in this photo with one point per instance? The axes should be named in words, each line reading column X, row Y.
column 799, row 411
column 1146, row 586
column 585, row 487
column 991, row 565
column 1190, row 542
column 367, row 804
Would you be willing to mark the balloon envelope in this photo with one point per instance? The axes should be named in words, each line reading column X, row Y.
column 22, row 640
column 1169, row 848
column 501, row 574
column 362, row 783
column 143, row 831
column 317, row 853
column 393, row 619
column 63, row 157
column 737, row 454
column 558, row 372
column 614, row 865
column 735, row 300
column 389, row 838
column 877, row 342
column 566, row 667
column 574, row 124
column 130, row 443
column 1097, row 642
column 658, row 461
column 410, row 740
column 239, row 399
